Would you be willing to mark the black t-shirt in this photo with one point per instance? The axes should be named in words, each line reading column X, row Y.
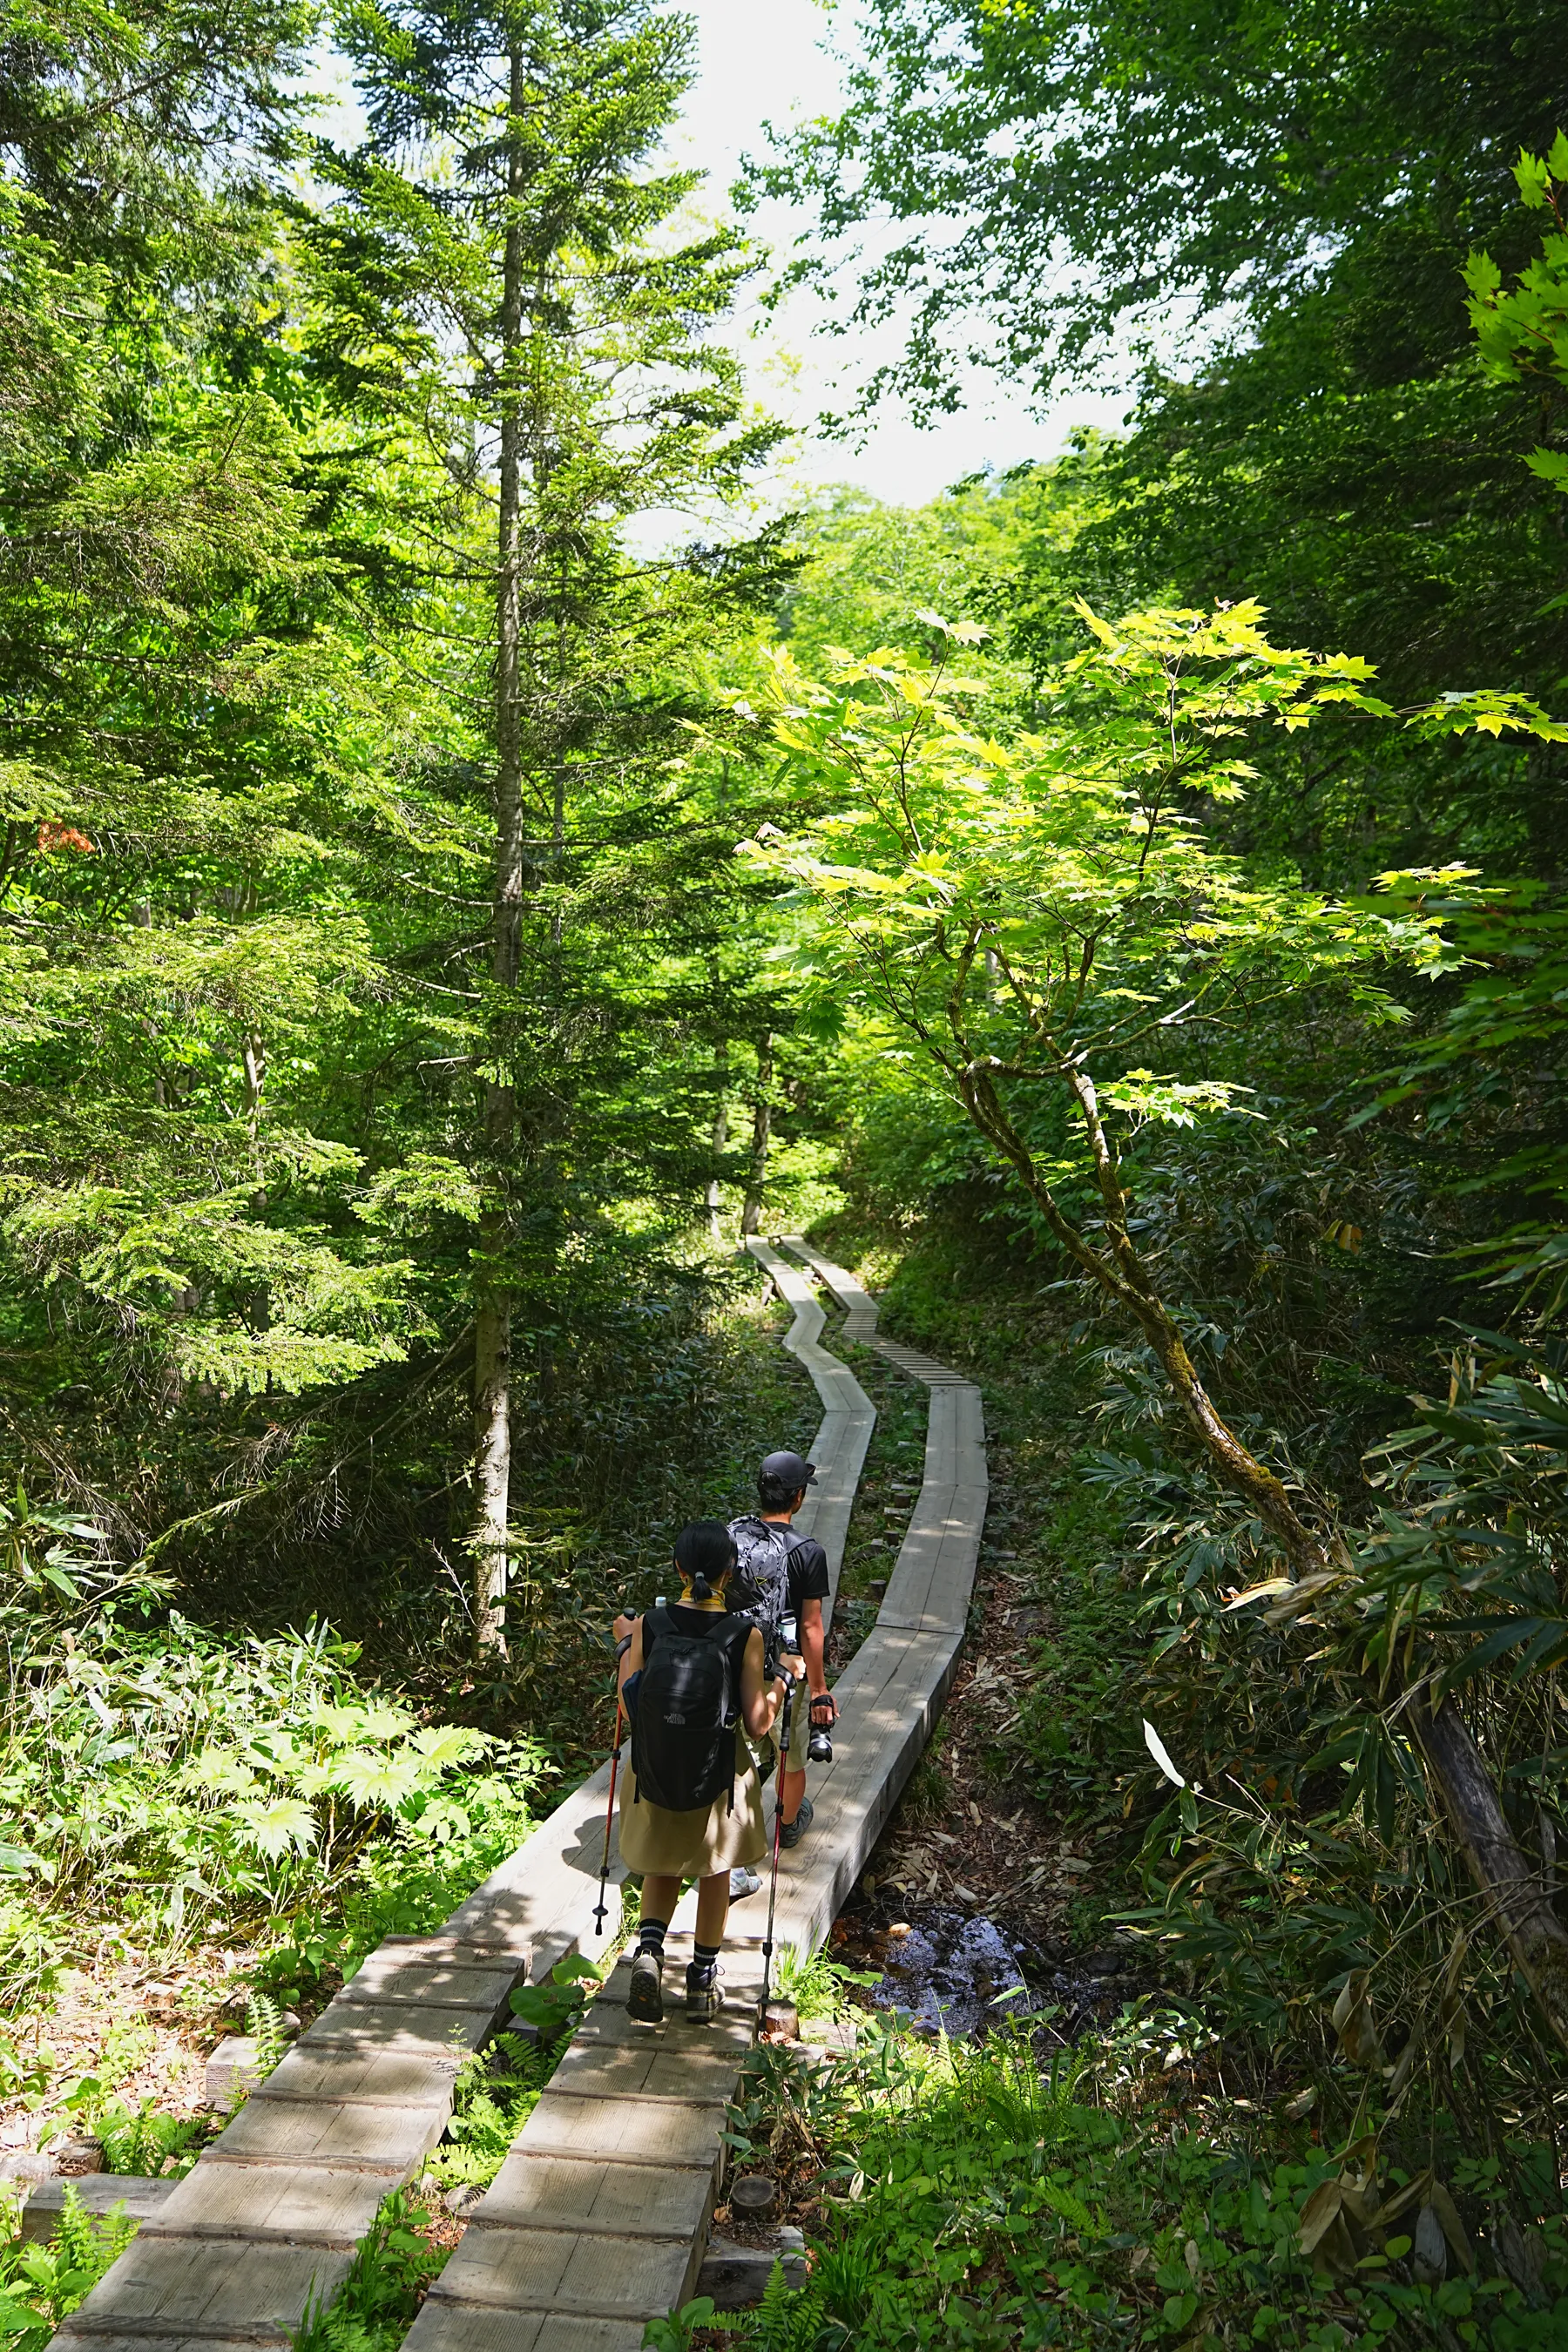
column 808, row 1577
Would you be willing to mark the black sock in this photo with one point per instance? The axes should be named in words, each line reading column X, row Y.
column 704, row 1960
column 651, row 1936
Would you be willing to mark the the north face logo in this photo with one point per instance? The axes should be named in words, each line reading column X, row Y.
column 675, row 1718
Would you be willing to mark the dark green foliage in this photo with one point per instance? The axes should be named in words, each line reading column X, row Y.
column 41, row 2286
column 974, row 2198
column 395, row 2263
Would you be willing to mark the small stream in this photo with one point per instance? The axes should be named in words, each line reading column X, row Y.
column 941, row 1970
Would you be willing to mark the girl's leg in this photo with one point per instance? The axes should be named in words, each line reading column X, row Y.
column 644, row 2000
column 703, row 1998
column 713, row 1909
column 659, row 1898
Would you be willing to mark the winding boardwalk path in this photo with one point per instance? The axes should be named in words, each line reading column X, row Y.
column 598, row 2219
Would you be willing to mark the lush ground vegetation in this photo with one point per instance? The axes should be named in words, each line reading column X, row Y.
column 469, row 858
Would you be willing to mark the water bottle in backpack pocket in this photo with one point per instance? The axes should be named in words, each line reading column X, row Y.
column 687, row 1703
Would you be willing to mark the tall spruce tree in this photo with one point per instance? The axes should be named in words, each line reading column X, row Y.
column 503, row 270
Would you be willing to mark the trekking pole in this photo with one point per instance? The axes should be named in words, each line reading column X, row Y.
column 778, row 1831
column 609, row 1816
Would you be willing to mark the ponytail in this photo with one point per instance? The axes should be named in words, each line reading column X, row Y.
column 705, row 1554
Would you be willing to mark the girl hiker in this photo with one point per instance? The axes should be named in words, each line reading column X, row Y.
column 691, row 1805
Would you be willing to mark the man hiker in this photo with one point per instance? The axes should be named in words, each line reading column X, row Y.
column 781, row 1577
column 691, row 1802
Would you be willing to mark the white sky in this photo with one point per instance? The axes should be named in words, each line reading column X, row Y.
column 768, row 63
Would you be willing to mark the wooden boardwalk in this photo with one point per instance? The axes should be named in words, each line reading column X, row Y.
column 598, row 2219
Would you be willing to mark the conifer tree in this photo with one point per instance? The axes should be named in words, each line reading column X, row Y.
column 504, row 269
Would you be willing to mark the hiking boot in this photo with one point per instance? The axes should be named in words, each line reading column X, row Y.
column 645, row 1999
column 793, row 1832
column 743, row 1881
column 704, row 1993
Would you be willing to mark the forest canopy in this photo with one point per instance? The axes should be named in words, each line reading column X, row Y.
column 474, row 853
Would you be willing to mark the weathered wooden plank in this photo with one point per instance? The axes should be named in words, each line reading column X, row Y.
column 568, row 2270
column 638, row 2131
column 389, row 1977
column 607, row 2023
column 839, row 1450
column 618, row 2070
column 200, row 2287
column 739, row 1974
column 400, row 2078
column 374, row 2026
column 274, row 2131
column 97, row 2192
column 930, row 1585
column 454, row 2328
column 585, row 2192
column 317, row 2202
column 133, row 2339
column 919, row 1367
column 860, row 1307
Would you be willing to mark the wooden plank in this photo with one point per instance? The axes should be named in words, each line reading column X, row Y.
column 452, row 2327
column 444, row 1984
column 173, row 2286
column 97, row 2192
column 397, row 2078
column 568, row 2270
column 637, row 2131
column 274, row 2131
column 607, row 2024
column 133, row 2339
column 376, row 2026
column 741, row 1973
column 317, row 2202
column 616, row 2070
column 585, row 2192
column 838, row 1449
column 860, row 1307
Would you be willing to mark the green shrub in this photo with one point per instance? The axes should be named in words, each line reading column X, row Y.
column 42, row 2285
column 969, row 2198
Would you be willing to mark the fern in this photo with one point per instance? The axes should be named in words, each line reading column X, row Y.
column 496, row 2091
column 787, row 2319
column 392, row 2270
column 264, row 2022
column 42, row 2285
column 146, row 2145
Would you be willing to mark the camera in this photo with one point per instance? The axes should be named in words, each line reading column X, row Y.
column 819, row 1747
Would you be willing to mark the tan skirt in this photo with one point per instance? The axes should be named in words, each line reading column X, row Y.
column 656, row 1843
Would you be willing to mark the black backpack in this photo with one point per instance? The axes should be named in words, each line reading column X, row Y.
column 683, row 1720
column 759, row 1590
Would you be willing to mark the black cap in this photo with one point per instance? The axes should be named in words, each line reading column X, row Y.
column 792, row 1471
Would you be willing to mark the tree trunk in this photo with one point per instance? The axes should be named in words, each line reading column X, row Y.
column 493, row 1315
column 721, row 1138
column 762, row 1128
column 1535, row 1935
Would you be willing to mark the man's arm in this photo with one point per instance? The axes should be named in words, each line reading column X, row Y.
column 812, row 1647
